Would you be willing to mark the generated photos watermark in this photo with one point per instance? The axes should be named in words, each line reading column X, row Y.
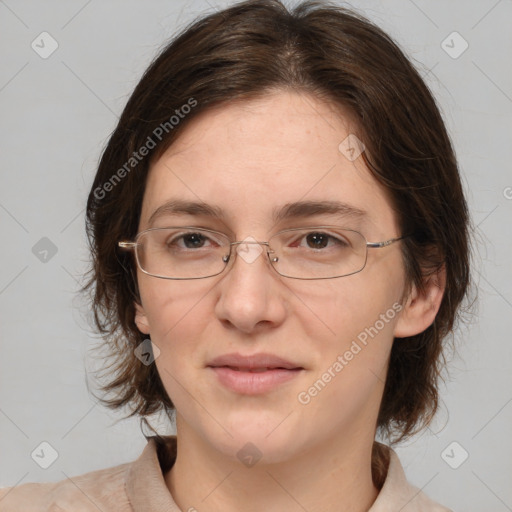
column 144, row 150
column 305, row 397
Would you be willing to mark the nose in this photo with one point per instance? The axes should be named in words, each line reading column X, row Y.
column 251, row 293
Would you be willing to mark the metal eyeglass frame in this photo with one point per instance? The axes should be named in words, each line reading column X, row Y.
column 132, row 245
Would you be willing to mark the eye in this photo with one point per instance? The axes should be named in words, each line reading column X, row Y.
column 321, row 240
column 188, row 240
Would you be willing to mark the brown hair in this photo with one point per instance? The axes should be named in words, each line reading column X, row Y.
column 245, row 52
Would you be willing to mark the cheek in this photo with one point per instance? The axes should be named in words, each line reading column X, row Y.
column 352, row 335
column 176, row 313
column 352, row 359
column 339, row 310
column 178, row 319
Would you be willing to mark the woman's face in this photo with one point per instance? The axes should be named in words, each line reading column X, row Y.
column 248, row 160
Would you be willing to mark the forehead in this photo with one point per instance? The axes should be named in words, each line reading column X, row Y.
column 250, row 158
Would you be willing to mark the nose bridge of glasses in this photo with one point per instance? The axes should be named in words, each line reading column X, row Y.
column 246, row 241
column 249, row 249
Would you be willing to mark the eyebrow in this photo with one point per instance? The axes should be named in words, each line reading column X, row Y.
column 299, row 209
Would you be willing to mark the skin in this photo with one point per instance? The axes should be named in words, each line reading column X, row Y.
column 265, row 153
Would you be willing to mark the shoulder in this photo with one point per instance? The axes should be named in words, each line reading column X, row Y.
column 98, row 490
column 398, row 494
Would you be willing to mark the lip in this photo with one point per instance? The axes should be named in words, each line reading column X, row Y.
column 253, row 374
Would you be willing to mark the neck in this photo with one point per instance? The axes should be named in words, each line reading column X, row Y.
column 331, row 476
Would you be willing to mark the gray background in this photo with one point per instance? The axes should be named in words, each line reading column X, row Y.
column 56, row 114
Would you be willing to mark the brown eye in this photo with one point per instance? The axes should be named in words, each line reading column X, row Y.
column 317, row 240
column 321, row 240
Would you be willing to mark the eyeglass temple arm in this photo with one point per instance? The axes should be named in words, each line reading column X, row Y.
column 127, row 245
column 386, row 242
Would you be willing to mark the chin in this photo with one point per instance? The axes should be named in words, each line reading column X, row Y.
column 255, row 435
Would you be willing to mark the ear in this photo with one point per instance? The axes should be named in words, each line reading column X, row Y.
column 141, row 320
column 421, row 307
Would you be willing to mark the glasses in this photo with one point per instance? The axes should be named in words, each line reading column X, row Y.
column 186, row 252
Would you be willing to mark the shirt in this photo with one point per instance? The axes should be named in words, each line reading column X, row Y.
column 139, row 486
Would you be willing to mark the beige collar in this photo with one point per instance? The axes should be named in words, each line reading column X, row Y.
column 148, row 492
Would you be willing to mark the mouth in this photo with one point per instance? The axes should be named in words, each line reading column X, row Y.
column 253, row 374
column 256, row 370
column 253, row 362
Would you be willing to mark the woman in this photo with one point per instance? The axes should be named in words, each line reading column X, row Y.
column 280, row 245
